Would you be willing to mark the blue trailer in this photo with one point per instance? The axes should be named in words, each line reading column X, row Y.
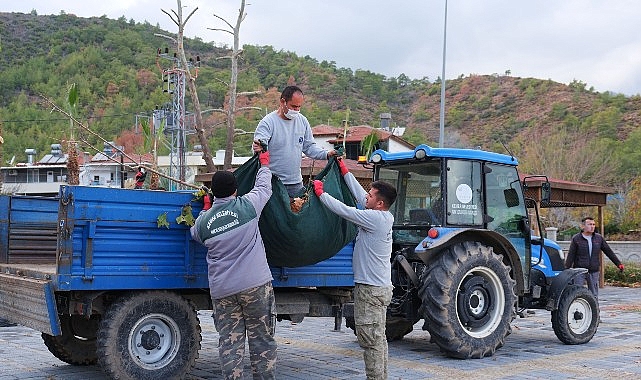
column 105, row 281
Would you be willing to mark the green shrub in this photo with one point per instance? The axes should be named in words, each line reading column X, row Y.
column 631, row 276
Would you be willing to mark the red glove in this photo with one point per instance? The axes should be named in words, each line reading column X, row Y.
column 263, row 157
column 206, row 202
column 318, row 187
column 342, row 166
column 621, row 268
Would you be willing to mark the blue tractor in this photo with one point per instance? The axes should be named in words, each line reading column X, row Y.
column 465, row 259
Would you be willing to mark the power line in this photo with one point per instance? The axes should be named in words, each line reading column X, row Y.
column 63, row 119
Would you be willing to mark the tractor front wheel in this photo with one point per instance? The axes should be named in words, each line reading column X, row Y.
column 577, row 317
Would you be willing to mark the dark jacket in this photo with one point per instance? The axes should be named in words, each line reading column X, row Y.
column 579, row 257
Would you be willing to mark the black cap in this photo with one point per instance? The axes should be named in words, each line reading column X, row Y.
column 223, row 184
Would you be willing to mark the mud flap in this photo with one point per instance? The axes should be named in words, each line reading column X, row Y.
column 29, row 302
column 558, row 285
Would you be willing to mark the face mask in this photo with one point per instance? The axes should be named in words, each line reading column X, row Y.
column 291, row 114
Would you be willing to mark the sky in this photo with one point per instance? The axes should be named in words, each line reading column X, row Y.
column 591, row 41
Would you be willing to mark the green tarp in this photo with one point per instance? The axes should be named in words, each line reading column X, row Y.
column 295, row 239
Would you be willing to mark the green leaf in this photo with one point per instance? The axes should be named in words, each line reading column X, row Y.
column 186, row 217
column 369, row 142
column 73, row 95
column 162, row 220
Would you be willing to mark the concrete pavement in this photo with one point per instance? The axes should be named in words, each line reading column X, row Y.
column 313, row 350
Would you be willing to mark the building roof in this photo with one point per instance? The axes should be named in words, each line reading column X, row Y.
column 132, row 158
column 355, row 134
column 326, row 130
column 314, row 167
column 566, row 193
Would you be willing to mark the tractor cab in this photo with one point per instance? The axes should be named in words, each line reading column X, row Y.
column 464, row 258
column 445, row 194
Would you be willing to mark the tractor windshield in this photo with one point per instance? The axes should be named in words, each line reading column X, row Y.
column 419, row 201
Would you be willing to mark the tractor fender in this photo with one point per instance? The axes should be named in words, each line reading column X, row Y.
column 560, row 282
column 427, row 249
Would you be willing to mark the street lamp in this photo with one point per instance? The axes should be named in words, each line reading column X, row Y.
column 441, row 136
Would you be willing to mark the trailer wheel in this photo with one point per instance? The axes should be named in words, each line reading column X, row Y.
column 577, row 318
column 151, row 335
column 395, row 328
column 468, row 300
column 351, row 323
column 77, row 344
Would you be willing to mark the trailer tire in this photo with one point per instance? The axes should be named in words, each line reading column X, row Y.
column 6, row 323
column 350, row 323
column 77, row 344
column 577, row 318
column 468, row 300
column 395, row 328
column 151, row 335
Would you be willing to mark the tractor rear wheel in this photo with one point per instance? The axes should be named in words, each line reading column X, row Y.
column 468, row 300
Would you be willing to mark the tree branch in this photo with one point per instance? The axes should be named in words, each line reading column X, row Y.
column 221, row 30
column 170, row 16
column 248, row 108
column 225, row 21
column 248, row 93
column 165, row 36
column 192, row 12
column 56, row 108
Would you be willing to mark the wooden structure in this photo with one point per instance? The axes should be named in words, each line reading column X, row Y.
column 570, row 194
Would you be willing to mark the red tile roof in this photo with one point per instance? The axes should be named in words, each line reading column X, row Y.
column 316, row 166
column 359, row 132
column 326, row 130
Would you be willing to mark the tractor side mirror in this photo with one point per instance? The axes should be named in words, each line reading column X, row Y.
column 546, row 192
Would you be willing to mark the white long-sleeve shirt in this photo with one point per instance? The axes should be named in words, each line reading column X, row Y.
column 287, row 140
column 373, row 247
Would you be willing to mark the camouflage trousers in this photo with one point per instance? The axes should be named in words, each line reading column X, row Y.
column 251, row 314
column 370, row 309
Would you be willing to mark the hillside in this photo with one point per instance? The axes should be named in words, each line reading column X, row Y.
column 115, row 65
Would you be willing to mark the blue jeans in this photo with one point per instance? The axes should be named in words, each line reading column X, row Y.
column 295, row 189
column 592, row 279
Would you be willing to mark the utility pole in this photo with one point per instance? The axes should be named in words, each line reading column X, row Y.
column 176, row 125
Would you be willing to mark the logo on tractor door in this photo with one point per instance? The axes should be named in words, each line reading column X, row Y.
column 464, row 193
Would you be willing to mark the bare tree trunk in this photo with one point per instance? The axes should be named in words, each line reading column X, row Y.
column 200, row 130
column 231, row 112
column 73, row 169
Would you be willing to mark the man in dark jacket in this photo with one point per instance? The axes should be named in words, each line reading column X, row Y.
column 584, row 253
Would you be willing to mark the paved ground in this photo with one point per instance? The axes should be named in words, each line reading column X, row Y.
column 312, row 350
